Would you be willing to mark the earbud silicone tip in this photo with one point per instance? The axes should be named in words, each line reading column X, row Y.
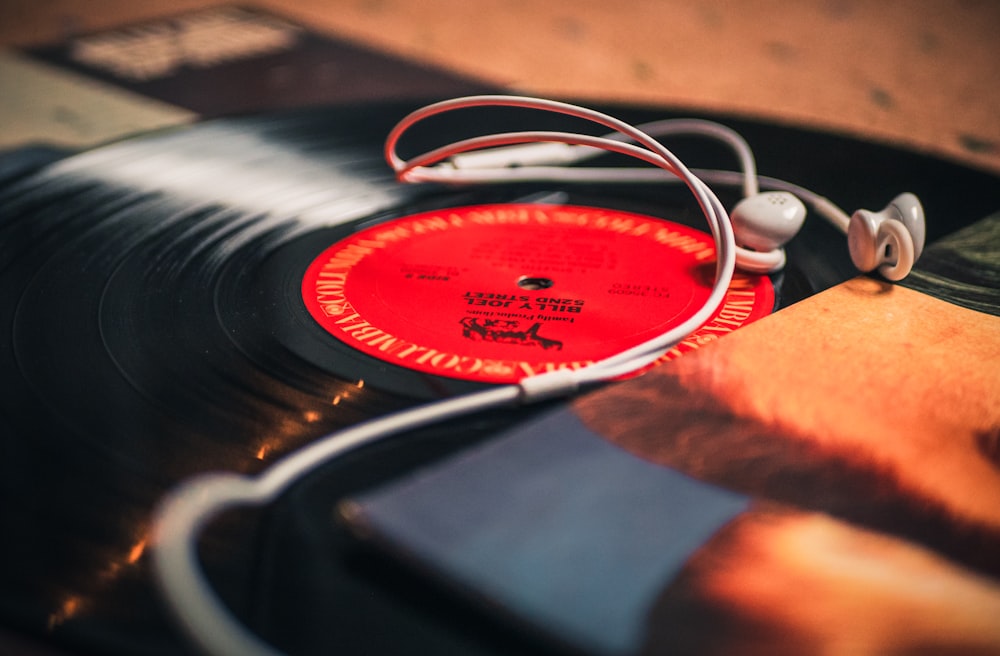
column 895, row 244
column 760, row 262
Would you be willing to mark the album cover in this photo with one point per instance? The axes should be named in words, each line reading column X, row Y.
column 230, row 59
column 234, row 59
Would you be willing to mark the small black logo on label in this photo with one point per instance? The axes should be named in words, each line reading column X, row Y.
column 506, row 331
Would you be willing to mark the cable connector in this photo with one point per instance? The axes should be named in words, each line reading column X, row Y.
column 550, row 385
column 533, row 154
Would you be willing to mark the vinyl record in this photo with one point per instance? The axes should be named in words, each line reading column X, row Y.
column 155, row 326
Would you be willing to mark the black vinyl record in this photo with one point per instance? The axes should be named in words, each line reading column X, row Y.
column 153, row 328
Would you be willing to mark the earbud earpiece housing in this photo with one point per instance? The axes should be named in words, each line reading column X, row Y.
column 763, row 224
column 890, row 240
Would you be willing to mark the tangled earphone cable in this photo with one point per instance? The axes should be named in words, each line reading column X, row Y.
column 513, row 156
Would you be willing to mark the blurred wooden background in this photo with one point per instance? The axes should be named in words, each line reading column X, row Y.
column 923, row 73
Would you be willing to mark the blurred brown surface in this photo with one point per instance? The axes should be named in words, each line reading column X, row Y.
column 922, row 73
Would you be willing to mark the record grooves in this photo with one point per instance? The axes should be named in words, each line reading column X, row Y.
column 155, row 328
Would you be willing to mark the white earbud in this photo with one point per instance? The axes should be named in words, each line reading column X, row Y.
column 763, row 224
column 890, row 240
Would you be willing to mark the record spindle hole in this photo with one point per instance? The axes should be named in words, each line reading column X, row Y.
column 534, row 283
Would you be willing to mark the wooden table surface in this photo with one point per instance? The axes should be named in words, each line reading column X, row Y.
column 923, row 73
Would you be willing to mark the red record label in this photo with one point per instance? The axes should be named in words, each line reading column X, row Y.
column 494, row 293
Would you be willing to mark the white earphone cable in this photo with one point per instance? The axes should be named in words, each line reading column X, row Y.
column 190, row 507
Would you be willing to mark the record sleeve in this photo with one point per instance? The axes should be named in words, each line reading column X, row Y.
column 154, row 327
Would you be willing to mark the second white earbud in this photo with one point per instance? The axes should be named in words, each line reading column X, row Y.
column 890, row 240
